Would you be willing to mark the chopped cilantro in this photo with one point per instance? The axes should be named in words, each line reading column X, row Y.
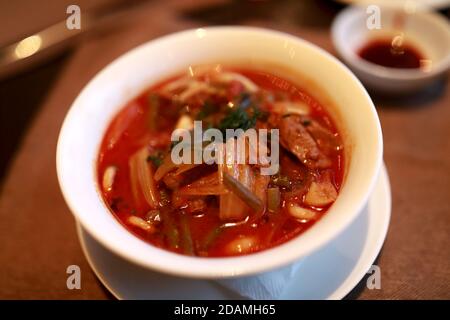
column 156, row 159
column 207, row 109
column 237, row 119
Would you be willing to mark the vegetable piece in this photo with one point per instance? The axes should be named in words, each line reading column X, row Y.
column 301, row 213
column 196, row 205
column 185, row 167
column 194, row 88
column 142, row 180
column 185, row 122
column 186, row 242
column 231, row 207
column 260, row 190
column 178, row 200
column 207, row 185
column 153, row 216
column 169, row 229
column 206, row 190
column 172, row 181
column 164, row 198
column 278, row 222
column 141, row 223
column 156, row 159
column 207, row 109
column 186, row 88
column 289, row 107
column 242, row 244
column 232, row 76
column 273, row 199
column 211, row 237
column 166, row 166
column 321, row 192
column 281, row 181
column 177, row 84
column 239, row 118
column 108, row 178
column 261, row 183
column 245, row 101
column 243, row 193
column 173, row 237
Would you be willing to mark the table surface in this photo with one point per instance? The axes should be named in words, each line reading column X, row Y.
column 37, row 231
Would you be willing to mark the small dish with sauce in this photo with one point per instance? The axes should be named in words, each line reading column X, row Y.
column 410, row 50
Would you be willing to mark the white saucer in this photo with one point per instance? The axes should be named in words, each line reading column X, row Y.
column 330, row 273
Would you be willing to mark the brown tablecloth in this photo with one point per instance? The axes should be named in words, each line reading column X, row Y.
column 37, row 232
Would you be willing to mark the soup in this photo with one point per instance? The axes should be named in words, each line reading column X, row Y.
column 229, row 208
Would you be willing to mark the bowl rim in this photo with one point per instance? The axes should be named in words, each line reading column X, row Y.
column 214, row 268
column 382, row 72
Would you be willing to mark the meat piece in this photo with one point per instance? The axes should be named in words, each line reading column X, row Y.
column 321, row 192
column 196, row 205
column 327, row 141
column 205, row 186
column 189, row 204
column 296, row 138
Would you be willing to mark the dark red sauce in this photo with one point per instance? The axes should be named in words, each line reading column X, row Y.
column 385, row 53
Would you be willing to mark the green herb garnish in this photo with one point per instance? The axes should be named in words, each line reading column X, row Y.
column 156, row 158
column 245, row 100
column 237, row 119
column 207, row 109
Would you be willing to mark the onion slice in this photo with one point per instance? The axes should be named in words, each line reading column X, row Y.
column 108, row 178
column 243, row 193
column 142, row 179
column 141, row 223
column 232, row 76
column 301, row 213
column 273, row 199
column 291, row 107
column 205, row 186
column 321, row 192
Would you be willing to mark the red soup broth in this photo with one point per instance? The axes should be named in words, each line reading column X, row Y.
column 194, row 225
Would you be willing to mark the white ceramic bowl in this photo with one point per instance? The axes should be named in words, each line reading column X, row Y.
column 428, row 31
column 126, row 77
